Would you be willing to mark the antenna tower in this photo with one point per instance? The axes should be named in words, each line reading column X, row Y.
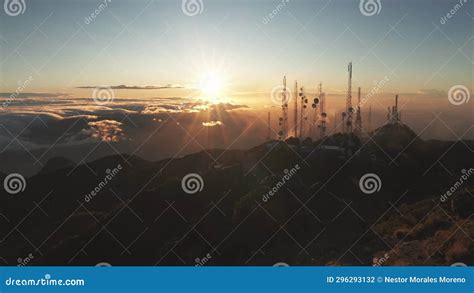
column 296, row 109
column 317, row 102
column 303, row 118
column 269, row 128
column 358, row 123
column 370, row 118
column 349, row 108
column 283, row 121
column 322, row 113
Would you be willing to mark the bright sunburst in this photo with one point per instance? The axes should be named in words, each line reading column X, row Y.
column 212, row 86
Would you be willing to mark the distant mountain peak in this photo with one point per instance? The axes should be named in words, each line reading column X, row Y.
column 55, row 164
column 394, row 136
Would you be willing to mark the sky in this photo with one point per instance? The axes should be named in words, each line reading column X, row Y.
column 155, row 43
column 175, row 77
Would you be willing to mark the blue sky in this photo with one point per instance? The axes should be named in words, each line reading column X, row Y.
column 154, row 42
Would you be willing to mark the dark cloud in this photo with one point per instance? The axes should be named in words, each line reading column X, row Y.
column 26, row 95
column 135, row 87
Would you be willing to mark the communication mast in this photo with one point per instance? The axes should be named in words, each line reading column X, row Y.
column 343, row 124
column 316, row 103
column 323, row 115
column 283, row 121
column 394, row 114
column 370, row 118
column 269, row 128
column 358, row 123
column 303, row 117
column 296, row 109
column 349, row 108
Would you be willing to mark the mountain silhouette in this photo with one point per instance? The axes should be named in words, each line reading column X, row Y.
column 318, row 216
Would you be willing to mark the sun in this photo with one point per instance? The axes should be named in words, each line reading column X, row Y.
column 212, row 86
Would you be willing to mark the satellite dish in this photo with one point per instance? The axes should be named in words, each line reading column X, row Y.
column 314, row 106
column 316, row 100
column 304, row 106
